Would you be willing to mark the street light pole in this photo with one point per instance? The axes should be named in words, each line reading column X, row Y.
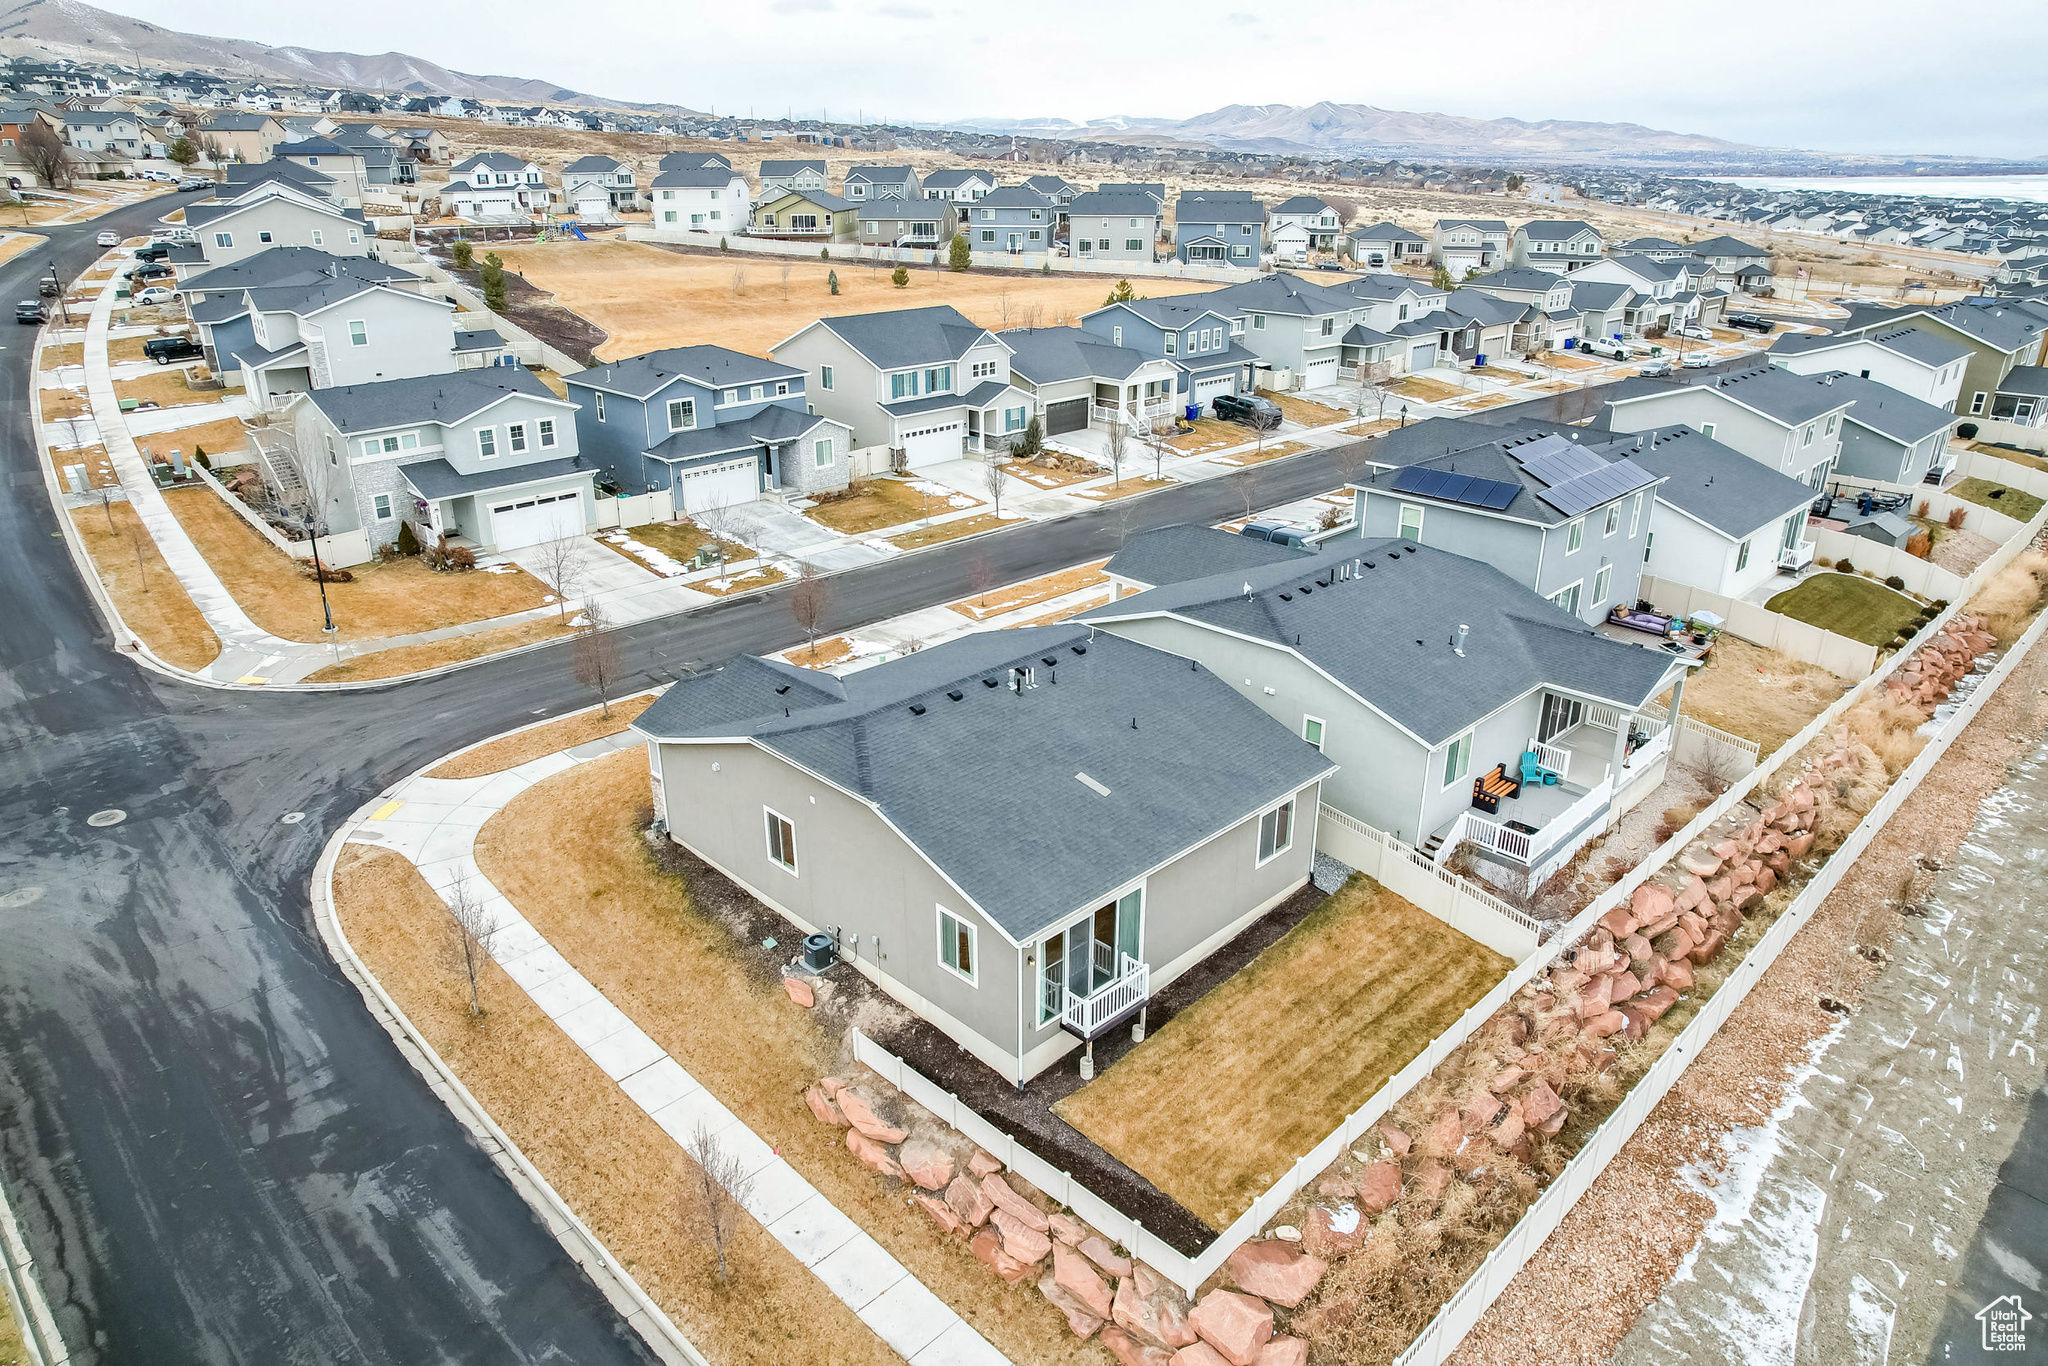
column 62, row 307
column 320, row 575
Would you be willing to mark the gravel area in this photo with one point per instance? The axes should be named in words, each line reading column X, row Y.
column 1620, row 1245
column 1960, row 552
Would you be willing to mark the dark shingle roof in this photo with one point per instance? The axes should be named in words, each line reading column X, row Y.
column 790, row 168
column 1888, row 412
column 1047, row 355
column 907, row 336
column 1500, row 457
column 429, row 398
column 1775, row 392
column 703, row 177
column 1195, row 208
column 1175, row 554
column 482, row 339
column 594, row 165
column 1714, row 483
column 1183, row 756
column 290, row 266
column 1727, row 246
column 438, row 479
column 1554, row 229
column 2025, row 379
column 1113, row 204
column 1301, row 203
column 713, row 366
column 1386, row 232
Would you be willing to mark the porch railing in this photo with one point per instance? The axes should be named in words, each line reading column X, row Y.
column 1553, row 757
column 1798, row 556
column 1486, row 834
column 1089, row 1015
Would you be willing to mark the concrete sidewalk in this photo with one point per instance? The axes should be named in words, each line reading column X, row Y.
column 434, row 823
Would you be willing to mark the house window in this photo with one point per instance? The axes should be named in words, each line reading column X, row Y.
column 1601, row 581
column 781, row 839
column 1707, row 430
column 1568, row 598
column 781, row 390
column 358, row 334
column 1258, row 322
column 227, row 239
column 1574, row 535
column 821, row 453
column 732, row 396
column 547, row 433
column 1172, row 342
column 1976, row 404
column 956, row 944
column 1411, row 523
column 825, row 376
column 1635, row 516
column 487, row 443
column 1458, row 759
column 1276, row 831
column 988, row 235
column 517, row 432
column 984, row 369
column 382, row 504
column 1613, row 520
column 600, row 406
column 1013, row 419
column 682, row 414
column 1831, row 425
column 1742, row 557
column 1116, row 336
column 1806, row 437
column 1329, row 326
column 1134, row 244
column 354, row 237
column 1312, row 731
column 263, row 237
column 1034, row 233
column 318, row 240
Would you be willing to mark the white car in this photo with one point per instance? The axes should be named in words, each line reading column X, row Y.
column 1697, row 361
column 155, row 294
column 110, row 239
column 1695, row 334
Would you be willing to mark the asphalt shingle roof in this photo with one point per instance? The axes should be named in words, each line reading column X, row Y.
column 437, row 478
column 1386, row 232
column 1775, row 392
column 428, row 398
column 1554, row 229
column 1112, row 204
column 902, row 337
column 1183, row 756
column 1714, row 483
column 1047, row 355
column 1175, row 554
column 1888, row 412
column 2025, row 380
column 1193, row 208
column 702, row 178
column 713, row 366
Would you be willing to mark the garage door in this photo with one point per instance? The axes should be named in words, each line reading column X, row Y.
column 1070, row 416
column 933, row 445
column 1216, row 385
column 727, row 485
column 1320, row 372
column 1423, row 356
column 537, row 518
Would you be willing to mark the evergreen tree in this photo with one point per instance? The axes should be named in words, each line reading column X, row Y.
column 464, row 254
column 1442, row 279
column 959, row 256
column 1120, row 295
column 832, row 280
column 900, row 276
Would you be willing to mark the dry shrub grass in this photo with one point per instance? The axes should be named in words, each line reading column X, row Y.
column 412, row 659
column 1031, row 592
column 2009, row 602
column 1888, row 729
column 59, row 404
column 874, row 504
column 951, row 531
column 614, row 1165
column 146, row 593
column 1218, row 1104
column 569, row 853
column 1759, row 694
column 513, row 750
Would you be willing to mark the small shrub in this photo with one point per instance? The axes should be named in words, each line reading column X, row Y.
column 461, row 557
column 1825, row 563
column 722, row 246
column 1939, row 605
column 327, row 573
column 1843, row 566
column 1955, row 518
column 1895, row 583
column 1921, row 511
column 463, row 253
column 408, row 543
column 199, row 458
column 900, row 277
column 1919, row 545
column 832, row 281
column 824, row 253
column 387, row 553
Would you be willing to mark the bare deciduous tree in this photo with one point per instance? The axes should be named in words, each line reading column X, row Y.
column 717, row 1195
column 46, row 155
column 475, row 926
column 1244, row 482
column 1118, row 449
column 211, row 148
column 598, row 663
column 808, row 602
column 560, row 566
column 785, row 279
column 715, row 520
column 994, row 479
column 982, row 576
column 739, row 280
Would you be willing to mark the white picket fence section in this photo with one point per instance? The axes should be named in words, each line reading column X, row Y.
column 338, row 550
column 1839, row 655
column 926, row 257
column 1708, row 748
column 638, row 510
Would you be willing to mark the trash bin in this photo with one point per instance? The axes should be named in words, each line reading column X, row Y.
column 1194, row 411
column 1571, row 343
column 1479, row 361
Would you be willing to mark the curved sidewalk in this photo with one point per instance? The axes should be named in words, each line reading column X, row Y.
column 434, row 823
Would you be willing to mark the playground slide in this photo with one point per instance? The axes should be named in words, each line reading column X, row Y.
column 578, row 231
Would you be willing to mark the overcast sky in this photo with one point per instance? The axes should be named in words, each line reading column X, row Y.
column 1874, row 76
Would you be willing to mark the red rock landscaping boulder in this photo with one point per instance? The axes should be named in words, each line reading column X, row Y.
column 1078, row 1277
column 1067, row 1230
column 1130, row 1352
column 1396, row 1140
column 799, row 991
column 1237, row 1326
column 926, row 1163
column 1020, row 1240
column 1096, row 1249
column 981, row 1164
column 1379, row 1186
column 1079, row 1319
column 823, row 1107
column 872, row 1153
column 1201, row 1354
column 1151, row 1310
column 942, row 1213
column 862, row 1117
column 1331, row 1234
column 1276, row 1271
column 1282, row 1351
column 999, row 1193
column 988, row 1248
column 966, row 1200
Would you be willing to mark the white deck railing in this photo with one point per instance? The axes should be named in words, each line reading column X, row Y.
column 1086, row 1015
column 1556, row 758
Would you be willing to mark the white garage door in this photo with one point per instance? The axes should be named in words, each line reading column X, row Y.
column 536, row 518
column 1422, row 357
column 1207, row 389
column 726, row 485
column 1320, row 372
column 933, row 445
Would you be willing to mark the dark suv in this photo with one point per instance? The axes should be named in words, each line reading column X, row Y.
column 154, row 251
column 164, row 350
column 1279, row 533
column 1750, row 322
column 1260, row 414
column 30, row 311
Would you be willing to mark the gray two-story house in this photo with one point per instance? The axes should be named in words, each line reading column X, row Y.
column 1792, row 423
column 1078, row 380
column 217, row 300
column 864, row 183
column 1015, row 220
column 714, row 427
column 881, row 808
column 599, row 186
column 271, row 214
column 1382, row 245
column 959, row 185
column 1219, row 228
column 926, row 223
column 779, row 177
column 1114, row 226
column 1559, row 246
column 1464, row 245
column 1187, row 331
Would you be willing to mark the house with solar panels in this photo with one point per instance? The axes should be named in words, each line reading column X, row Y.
column 1565, row 522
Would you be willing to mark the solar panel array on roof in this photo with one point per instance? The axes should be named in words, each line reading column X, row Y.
column 1602, row 485
column 1453, row 487
column 1558, row 465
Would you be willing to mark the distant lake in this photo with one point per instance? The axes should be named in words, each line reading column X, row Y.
column 2028, row 187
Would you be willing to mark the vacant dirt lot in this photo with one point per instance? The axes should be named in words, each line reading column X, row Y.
column 648, row 298
column 1758, row 694
column 1217, row 1105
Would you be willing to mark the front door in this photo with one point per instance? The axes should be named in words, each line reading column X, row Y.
column 1016, row 242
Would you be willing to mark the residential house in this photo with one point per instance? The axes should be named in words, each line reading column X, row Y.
column 1292, row 325
column 1791, row 423
column 218, row 299
column 804, row 216
column 1077, row 380
column 243, row 137
column 1923, row 365
column 485, row 457
column 861, row 807
column 17, row 117
column 925, row 223
column 1725, row 523
column 1551, row 318
column 1322, row 643
column 1055, row 189
column 425, row 144
column 803, row 177
column 1013, row 220
column 2001, row 334
column 344, row 168
column 599, row 186
column 1197, row 337
column 496, row 185
column 1312, row 219
column 1604, row 306
column 2022, row 397
column 1154, row 188
column 922, row 381
column 715, row 427
column 1654, row 248
column 341, row 329
column 1381, row 246
column 1557, row 246
column 1655, row 284
column 864, row 183
column 696, row 161
column 1890, row 437
column 1468, row 246
column 1106, row 225
column 959, row 186
column 1731, row 256
column 1564, row 522
column 1175, row 554
column 711, row 199
column 97, row 130
column 265, row 215
column 1217, row 228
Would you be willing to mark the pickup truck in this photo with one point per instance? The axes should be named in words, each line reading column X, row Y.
column 1600, row 346
column 1260, row 414
column 1750, row 322
column 153, row 251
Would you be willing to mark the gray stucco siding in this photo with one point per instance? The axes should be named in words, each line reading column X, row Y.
column 1514, row 548
column 1868, row 454
column 1118, row 232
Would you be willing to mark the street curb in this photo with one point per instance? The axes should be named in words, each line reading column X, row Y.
column 31, row 1311
column 584, row 1248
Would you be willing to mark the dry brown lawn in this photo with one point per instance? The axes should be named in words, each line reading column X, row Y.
column 1427, row 389
column 1103, row 493
column 1063, row 613
column 1374, row 427
column 64, row 353
column 823, row 655
column 1563, row 360
column 1273, row 451
column 951, row 531
column 648, row 298
column 1218, row 1105
column 9, row 249
column 13, row 1351
column 1209, row 434
column 1306, row 411
column 99, row 470
column 680, row 541
column 59, row 404
column 568, row 853
column 540, row 741
column 746, row 581
column 880, row 503
column 225, row 441
column 167, row 389
column 145, row 591
column 385, row 600
column 411, row 659
column 1758, row 694
column 1031, row 592
column 615, row 1166
column 126, row 349
column 1040, row 478
column 1483, row 401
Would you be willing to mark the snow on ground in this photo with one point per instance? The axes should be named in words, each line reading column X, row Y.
column 663, row 564
column 954, row 498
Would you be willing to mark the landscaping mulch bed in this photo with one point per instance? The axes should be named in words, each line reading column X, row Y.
column 535, row 309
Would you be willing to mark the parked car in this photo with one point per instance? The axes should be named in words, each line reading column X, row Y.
column 147, row 271
column 1260, row 414
column 164, row 350
column 1279, row 533
column 1750, row 322
column 31, row 311
column 152, row 251
column 155, row 294
column 1655, row 369
column 195, row 183
column 1696, row 334
column 110, row 239
column 1328, row 265
column 1602, row 346
column 1697, row 361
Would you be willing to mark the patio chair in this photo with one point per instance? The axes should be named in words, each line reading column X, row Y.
column 1533, row 770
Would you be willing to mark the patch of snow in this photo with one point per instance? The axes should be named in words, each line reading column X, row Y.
column 1344, row 1219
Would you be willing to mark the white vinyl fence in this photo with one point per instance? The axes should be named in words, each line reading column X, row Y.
column 529, row 349
column 338, row 550
column 1920, row 576
column 1850, row 659
column 928, row 257
column 638, row 510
